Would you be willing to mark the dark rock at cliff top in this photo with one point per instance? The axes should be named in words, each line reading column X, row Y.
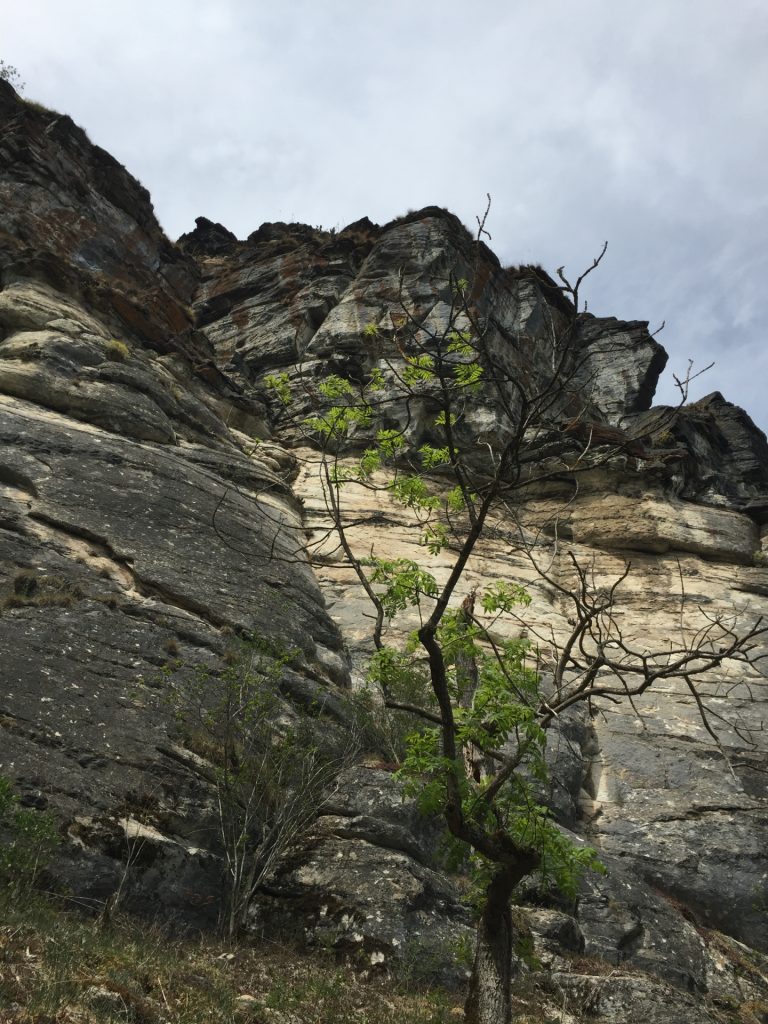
column 142, row 526
column 728, row 460
column 86, row 227
column 208, row 238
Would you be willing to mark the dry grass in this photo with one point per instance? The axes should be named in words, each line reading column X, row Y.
column 35, row 590
column 117, row 351
column 57, row 968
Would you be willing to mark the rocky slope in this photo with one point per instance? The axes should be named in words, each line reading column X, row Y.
column 142, row 526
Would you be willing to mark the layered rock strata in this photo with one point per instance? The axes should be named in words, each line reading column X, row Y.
column 139, row 529
column 142, row 527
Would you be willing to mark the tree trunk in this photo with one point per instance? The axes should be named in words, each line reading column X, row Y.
column 489, row 999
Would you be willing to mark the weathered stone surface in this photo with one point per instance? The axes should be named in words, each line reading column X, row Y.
column 297, row 299
column 74, row 218
column 659, row 524
column 208, row 239
column 692, row 828
column 138, row 530
column 370, row 884
column 727, row 460
column 618, row 998
column 622, row 366
column 140, row 559
column 262, row 300
column 134, row 498
column 655, row 790
column 627, row 950
column 623, row 920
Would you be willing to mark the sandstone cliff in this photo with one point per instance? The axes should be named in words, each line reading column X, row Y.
column 140, row 524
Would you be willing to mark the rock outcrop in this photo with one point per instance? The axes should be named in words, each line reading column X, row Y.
column 138, row 527
column 155, row 501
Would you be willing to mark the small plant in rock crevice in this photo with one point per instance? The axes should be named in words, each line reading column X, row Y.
column 270, row 767
column 117, row 351
column 32, row 589
column 28, row 839
column 663, row 438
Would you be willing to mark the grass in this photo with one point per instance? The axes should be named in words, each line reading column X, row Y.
column 662, row 439
column 58, row 968
column 34, row 590
column 117, row 351
column 34, row 105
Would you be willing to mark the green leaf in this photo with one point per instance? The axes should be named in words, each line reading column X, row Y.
column 335, row 422
column 412, row 492
column 391, row 442
column 419, row 369
column 279, row 383
column 377, row 381
column 333, row 387
column 454, row 500
column 503, row 597
column 434, row 538
column 460, row 344
column 401, row 675
column 341, row 475
column 468, row 375
column 370, row 461
column 403, row 581
column 433, row 457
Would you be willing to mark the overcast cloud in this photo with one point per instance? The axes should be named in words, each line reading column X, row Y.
column 644, row 124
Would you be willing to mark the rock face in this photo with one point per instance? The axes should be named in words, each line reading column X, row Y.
column 137, row 527
column 87, row 227
column 155, row 501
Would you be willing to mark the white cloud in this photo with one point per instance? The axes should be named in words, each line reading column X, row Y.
column 643, row 124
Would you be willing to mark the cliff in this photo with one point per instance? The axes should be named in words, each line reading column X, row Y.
column 142, row 527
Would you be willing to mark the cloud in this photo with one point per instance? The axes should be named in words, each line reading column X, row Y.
column 642, row 124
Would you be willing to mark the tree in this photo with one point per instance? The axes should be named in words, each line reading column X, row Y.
column 478, row 754
column 11, row 74
column 270, row 772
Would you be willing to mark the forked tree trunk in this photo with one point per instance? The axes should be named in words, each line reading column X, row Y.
column 489, row 999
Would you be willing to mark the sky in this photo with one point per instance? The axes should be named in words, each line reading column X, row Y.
column 643, row 124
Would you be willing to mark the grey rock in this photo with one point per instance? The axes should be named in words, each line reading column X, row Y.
column 141, row 525
column 726, row 462
column 368, row 885
column 74, row 219
column 622, row 365
column 618, row 998
column 207, row 239
column 691, row 827
column 623, row 920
